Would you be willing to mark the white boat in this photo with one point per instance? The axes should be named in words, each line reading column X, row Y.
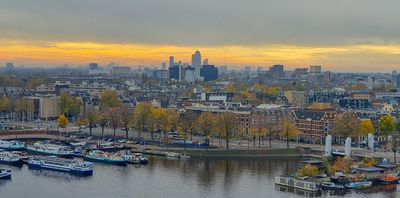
column 358, row 185
column 50, row 149
column 12, row 145
column 68, row 166
column 10, row 158
column 107, row 146
column 76, row 144
column 5, row 174
column 172, row 154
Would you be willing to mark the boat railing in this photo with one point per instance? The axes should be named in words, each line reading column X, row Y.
column 296, row 183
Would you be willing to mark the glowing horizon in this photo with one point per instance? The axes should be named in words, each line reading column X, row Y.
column 340, row 58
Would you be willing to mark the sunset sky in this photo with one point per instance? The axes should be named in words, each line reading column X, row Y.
column 342, row 35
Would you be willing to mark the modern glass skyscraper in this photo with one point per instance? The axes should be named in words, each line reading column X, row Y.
column 196, row 60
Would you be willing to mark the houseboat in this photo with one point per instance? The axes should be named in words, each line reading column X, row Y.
column 10, row 158
column 331, row 186
column 107, row 146
column 61, row 165
column 383, row 173
column 12, row 145
column 50, row 149
column 106, row 158
column 389, row 179
column 297, row 183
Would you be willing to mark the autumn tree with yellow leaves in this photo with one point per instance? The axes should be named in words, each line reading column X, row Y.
column 289, row 130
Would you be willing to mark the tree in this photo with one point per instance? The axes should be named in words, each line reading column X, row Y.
column 397, row 126
column 102, row 120
column 69, row 105
column 81, row 122
column 4, row 106
column 114, row 118
column 24, row 106
column 271, row 131
column 367, row 162
column 62, row 121
column 386, row 125
column 308, row 170
column 173, row 119
column 127, row 117
column 158, row 118
column 227, row 125
column 258, row 130
column 366, row 127
column 341, row 164
column 346, row 125
column 143, row 116
column 184, row 127
column 91, row 118
column 109, row 99
column 289, row 130
column 205, row 123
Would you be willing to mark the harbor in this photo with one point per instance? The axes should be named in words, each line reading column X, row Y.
column 338, row 171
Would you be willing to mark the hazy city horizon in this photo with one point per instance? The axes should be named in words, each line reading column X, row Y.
column 341, row 36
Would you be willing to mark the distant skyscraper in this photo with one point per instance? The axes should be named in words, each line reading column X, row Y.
column 9, row 66
column 171, row 61
column 174, row 72
column 205, row 62
column 209, row 72
column 277, row 71
column 93, row 66
column 196, row 60
column 163, row 66
column 315, row 69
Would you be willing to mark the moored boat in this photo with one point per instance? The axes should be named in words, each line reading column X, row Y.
column 331, row 186
column 107, row 146
column 61, row 165
column 5, row 174
column 50, row 149
column 105, row 158
column 359, row 184
column 10, row 158
column 388, row 179
column 136, row 158
column 297, row 183
column 12, row 145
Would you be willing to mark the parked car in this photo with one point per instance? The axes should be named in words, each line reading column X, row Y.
column 122, row 141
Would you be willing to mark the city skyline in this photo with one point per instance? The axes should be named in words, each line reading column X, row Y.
column 342, row 36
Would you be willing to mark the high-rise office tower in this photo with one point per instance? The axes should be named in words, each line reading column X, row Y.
column 171, row 61
column 163, row 66
column 205, row 62
column 277, row 71
column 93, row 66
column 196, row 60
column 315, row 69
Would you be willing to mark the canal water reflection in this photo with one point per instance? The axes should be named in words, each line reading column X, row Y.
column 168, row 178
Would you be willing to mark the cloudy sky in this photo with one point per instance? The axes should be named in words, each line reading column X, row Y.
column 352, row 35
